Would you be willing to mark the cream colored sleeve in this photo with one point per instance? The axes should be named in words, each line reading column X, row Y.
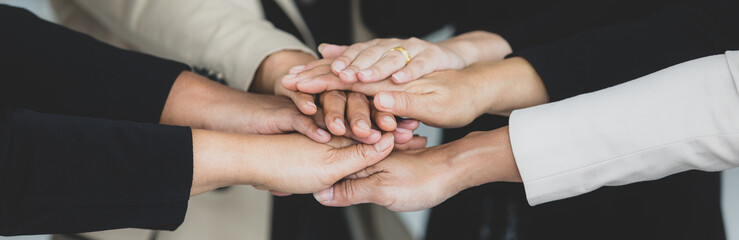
column 228, row 36
column 682, row 118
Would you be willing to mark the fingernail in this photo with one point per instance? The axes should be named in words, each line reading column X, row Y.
column 402, row 130
column 347, row 74
column 296, row 69
column 339, row 122
column 338, row 66
column 323, row 133
column 399, row 77
column 386, row 100
column 363, row 125
column 325, row 195
column 311, row 105
column 366, row 74
column 291, row 76
column 383, row 144
column 388, row 119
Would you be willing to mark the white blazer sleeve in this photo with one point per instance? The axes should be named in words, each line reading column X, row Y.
column 228, row 36
column 681, row 118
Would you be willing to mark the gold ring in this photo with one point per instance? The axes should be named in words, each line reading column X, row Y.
column 404, row 52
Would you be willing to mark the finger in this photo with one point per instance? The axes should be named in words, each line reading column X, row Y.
column 334, row 105
column 418, row 67
column 291, row 81
column 389, row 63
column 401, row 104
column 348, row 56
column 305, row 102
column 331, row 50
column 308, row 127
column 322, row 83
column 364, row 60
column 384, row 120
column 373, row 138
column 413, row 144
column 358, row 114
column 279, row 194
column 349, row 192
column 410, row 124
column 356, row 157
column 402, row 135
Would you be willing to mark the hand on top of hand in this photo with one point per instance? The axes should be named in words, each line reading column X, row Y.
column 380, row 59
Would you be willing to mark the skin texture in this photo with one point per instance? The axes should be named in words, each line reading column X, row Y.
column 347, row 113
column 420, row 179
column 290, row 163
column 372, row 61
column 451, row 98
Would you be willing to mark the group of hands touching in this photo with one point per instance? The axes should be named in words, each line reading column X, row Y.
column 354, row 112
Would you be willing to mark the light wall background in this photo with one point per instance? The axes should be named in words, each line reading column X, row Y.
column 416, row 221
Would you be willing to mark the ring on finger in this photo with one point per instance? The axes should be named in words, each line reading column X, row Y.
column 403, row 51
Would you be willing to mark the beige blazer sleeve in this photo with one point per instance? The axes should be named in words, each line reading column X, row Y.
column 682, row 118
column 227, row 36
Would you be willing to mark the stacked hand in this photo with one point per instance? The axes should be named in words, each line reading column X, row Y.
column 444, row 85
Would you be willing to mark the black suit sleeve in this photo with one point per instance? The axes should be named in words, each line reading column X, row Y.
column 67, row 174
column 48, row 68
column 606, row 56
column 61, row 173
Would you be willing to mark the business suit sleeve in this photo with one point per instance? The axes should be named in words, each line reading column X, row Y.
column 227, row 36
column 605, row 56
column 61, row 173
column 681, row 118
column 48, row 68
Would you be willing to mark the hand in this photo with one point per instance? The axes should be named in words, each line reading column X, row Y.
column 451, row 98
column 348, row 113
column 288, row 163
column 200, row 103
column 373, row 61
column 273, row 68
column 420, row 179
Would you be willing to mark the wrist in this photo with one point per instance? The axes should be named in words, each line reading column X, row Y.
column 218, row 161
column 478, row 46
column 483, row 157
column 188, row 97
column 509, row 85
column 276, row 65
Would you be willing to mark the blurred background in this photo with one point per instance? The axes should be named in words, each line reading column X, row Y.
column 256, row 213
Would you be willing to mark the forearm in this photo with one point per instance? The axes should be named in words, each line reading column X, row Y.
column 482, row 157
column 636, row 131
column 274, row 67
column 51, row 69
column 478, row 46
column 58, row 167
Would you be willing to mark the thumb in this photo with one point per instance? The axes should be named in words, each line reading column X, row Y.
column 401, row 104
column 359, row 156
column 330, row 50
column 348, row 192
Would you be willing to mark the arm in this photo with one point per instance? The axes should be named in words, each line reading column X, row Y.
column 222, row 35
column 51, row 69
column 681, row 118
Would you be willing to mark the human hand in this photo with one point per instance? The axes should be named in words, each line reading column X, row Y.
column 420, row 179
column 289, row 163
column 451, row 98
column 200, row 103
column 374, row 61
column 347, row 113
